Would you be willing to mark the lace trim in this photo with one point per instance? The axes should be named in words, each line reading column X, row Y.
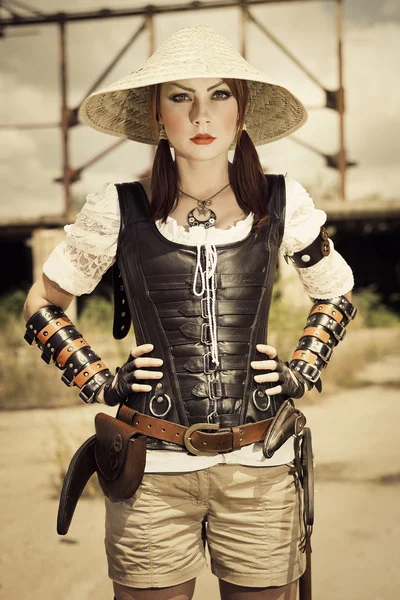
column 91, row 243
column 330, row 277
column 93, row 234
column 76, row 271
column 198, row 235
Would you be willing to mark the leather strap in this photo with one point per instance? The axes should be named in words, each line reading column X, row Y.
column 223, row 440
column 177, row 281
column 81, row 359
column 217, row 390
column 329, row 324
column 63, row 337
column 331, row 311
column 192, row 308
column 66, row 352
column 324, row 351
column 313, row 253
column 309, row 357
column 122, row 316
column 45, row 334
column 193, row 331
column 199, row 364
column 318, row 333
column 40, row 319
column 90, row 370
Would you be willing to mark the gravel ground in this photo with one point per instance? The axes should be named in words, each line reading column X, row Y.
column 355, row 541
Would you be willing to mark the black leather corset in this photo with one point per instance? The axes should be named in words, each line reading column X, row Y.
column 158, row 276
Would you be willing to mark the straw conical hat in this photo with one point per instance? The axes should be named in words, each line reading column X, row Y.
column 123, row 108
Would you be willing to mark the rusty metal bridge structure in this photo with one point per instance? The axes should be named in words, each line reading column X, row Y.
column 16, row 14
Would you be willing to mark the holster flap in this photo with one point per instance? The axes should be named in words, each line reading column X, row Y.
column 112, row 441
column 287, row 422
column 80, row 470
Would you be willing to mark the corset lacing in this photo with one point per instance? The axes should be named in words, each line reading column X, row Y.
column 208, row 286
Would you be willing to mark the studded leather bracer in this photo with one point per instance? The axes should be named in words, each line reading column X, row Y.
column 325, row 328
column 63, row 345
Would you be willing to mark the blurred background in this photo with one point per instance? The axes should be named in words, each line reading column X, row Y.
column 341, row 59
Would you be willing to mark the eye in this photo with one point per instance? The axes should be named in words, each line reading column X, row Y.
column 222, row 94
column 179, row 97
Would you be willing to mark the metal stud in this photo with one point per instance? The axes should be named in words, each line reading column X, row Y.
column 306, row 258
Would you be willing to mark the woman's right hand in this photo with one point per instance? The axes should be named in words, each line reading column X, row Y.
column 129, row 376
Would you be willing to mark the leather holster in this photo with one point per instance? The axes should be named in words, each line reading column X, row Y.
column 288, row 421
column 117, row 453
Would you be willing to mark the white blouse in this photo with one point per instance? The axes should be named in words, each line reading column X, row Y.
column 78, row 264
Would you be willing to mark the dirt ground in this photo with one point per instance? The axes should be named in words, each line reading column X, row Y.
column 356, row 549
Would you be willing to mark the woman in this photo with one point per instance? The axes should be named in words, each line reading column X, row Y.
column 197, row 246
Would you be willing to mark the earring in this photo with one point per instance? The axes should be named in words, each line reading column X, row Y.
column 162, row 133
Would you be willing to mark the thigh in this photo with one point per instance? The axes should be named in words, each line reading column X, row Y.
column 255, row 525
column 184, row 591
column 229, row 591
column 153, row 540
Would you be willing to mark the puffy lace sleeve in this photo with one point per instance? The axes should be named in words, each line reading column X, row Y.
column 331, row 276
column 90, row 246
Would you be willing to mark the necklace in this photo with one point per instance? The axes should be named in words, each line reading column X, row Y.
column 203, row 207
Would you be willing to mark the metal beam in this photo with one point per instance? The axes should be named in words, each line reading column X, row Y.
column 285, row 50
column 65, row 120
column 106, row 13
column 24, row 6
column 342, row 148
column 114, row 61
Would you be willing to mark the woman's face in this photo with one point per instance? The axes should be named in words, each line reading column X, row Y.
column 198, row 106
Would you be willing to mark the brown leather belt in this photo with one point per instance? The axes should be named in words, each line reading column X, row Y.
column 197, row 438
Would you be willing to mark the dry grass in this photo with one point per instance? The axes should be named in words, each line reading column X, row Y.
column 65, row 448
column 27, row 382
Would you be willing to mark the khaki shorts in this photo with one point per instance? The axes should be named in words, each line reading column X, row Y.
column 254, row 528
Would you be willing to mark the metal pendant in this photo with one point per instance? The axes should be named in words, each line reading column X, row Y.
column 194, row 222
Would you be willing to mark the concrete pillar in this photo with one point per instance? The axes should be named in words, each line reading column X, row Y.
column 42, row 243
column 293, row 293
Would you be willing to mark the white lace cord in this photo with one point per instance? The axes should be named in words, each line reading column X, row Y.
column 211, row 265
column 198, row 271
column 207, row 277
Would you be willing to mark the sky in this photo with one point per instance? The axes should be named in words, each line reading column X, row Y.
column 30, row 93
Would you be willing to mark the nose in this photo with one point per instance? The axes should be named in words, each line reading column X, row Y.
column 199, row 114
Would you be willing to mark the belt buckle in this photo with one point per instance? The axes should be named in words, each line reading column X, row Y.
column 204, row 311
column 205, row 335
column 206, row 364
column 196, row 427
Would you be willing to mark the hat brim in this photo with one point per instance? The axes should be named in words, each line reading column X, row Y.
column 272, row 113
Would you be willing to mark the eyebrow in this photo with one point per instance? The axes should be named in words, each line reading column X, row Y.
column 190, row 89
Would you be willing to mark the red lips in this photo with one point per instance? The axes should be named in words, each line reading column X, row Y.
column 202, row 139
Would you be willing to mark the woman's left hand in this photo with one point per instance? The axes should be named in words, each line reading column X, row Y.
column 277, row 371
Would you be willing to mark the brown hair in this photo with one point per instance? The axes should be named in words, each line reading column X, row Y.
column 246, row 176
